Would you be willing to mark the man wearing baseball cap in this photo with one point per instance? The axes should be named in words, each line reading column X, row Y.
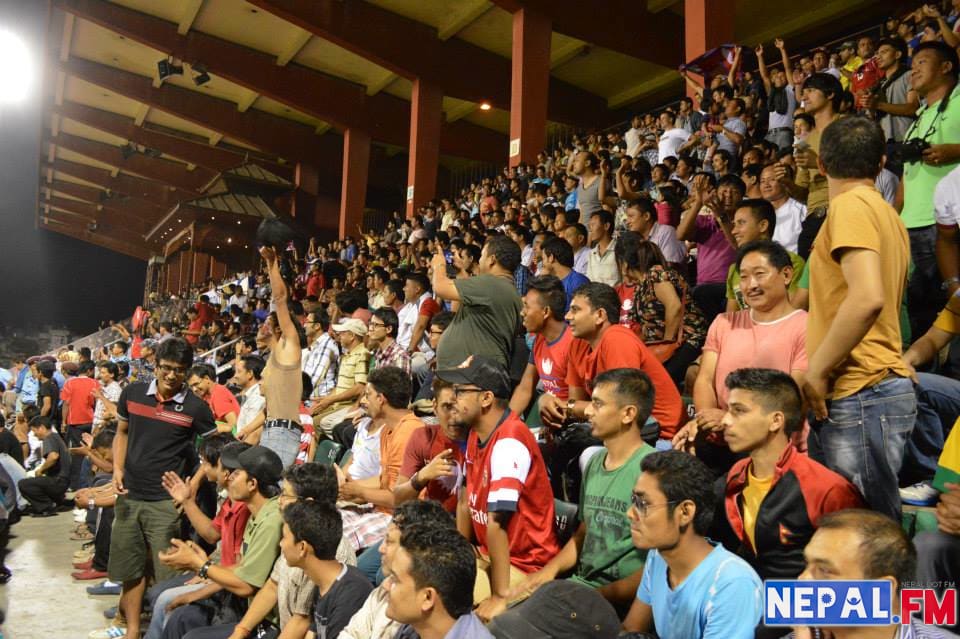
column 507, row 507
column 351, row 378
column 254, row 479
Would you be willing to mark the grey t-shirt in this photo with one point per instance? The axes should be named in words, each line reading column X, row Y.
column 735, row 125
column 485, row 324
column 895, row 126
column 588, row 199
column 55, row 444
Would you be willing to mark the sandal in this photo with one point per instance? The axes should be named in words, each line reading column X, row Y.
column 82, row 536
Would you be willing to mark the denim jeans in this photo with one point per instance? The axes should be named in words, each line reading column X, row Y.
column 923, row 289
column 938, row 562
column 864, row 436
column 160, row 614
column 284, row 442
column 369, row 563
column 938, row 405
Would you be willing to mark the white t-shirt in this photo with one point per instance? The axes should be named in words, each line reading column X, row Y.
column 790, row 216
column 632, row 138
column 946, row 199
column 366, row 452
column 670, row 141
column 784, row 121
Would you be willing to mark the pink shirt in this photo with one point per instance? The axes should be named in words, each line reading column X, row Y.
column 714, row 253
column 741, row 342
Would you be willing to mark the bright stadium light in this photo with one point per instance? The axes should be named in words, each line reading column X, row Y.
column 16, row 69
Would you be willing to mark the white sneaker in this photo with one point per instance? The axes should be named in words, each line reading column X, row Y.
column 79, row 515
column 920, row 494
column 112, row 632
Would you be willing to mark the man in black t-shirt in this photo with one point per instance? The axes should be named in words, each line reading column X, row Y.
column 311, row 533
column 157, row 426
column 9, row 444
column 50, row 481
column 48, row 397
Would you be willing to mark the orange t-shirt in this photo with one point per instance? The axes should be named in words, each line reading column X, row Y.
column 222, row 402
column 393, row 443
column 619, row 347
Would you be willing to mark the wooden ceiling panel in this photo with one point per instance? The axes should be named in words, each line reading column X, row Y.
column 322, row 55
column 66, row 154
column 76, row 128
column 172, row 10
column 91, row 95
column 239, row 22
column 276, row 108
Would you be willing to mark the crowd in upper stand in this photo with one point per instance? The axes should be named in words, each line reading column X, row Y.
column 607, row 393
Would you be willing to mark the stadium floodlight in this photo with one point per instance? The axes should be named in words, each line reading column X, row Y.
column 16, row 68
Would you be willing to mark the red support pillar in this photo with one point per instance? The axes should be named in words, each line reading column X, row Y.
column 426, row 115
column 707, row 24
column 353, row 191
column 531, row 83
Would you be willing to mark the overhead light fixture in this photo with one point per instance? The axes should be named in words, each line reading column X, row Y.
column 201, row 77
column 168, row 67
column 485, row 106
column 128, row 151
column 229, row 240
column 153, row 153
column 16, row 69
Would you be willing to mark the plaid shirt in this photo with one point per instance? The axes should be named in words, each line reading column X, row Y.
column 320, row 363
column 521, row 279
column 393, row 355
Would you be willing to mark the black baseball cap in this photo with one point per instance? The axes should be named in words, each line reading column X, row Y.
column 480, row 371
column 559, row 609
column 260, row 462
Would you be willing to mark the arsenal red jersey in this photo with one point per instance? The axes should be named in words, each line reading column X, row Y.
column 506, row 474
column 550, row 358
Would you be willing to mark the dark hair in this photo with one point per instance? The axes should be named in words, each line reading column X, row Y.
column 805, row 117
column 726, row 155
column 944, row 52
column 320, row 316
column 885, row 549
column 740, row 103
column 422, row 512
column 41, row 420
column 644, row 205
column 776, row 391
column 606, row 218
column 176, row 350
column 442, row 319
column 552, row 295
column 389, row 317
column 505, row 251
column 203, row 371
column 392, row 383
column 111, row 367
column 395, row 287
column 601, row 297
column 631, row 387
column 313, row 481
column 254, row 364
column 46, row 368
column 897, row 44
column 421, row 279
column 648, row 255
column 122, row 344
column 753, row 170
column 852, row 148
column 104, row 439
column 350, row 301
column 442, row 559
column 776, row 254
column 473, row 252
column 683, row 477
column 580, row 230
column 320, row 525
column 733, row 180
column 761, row 210
column 212, row 446
column 124, row 367
column 558, row 249
column 829, row 86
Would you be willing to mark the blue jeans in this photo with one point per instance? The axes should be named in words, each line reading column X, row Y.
column 369, row 563
column 284, row 442
column 864, row 436
column 923, row 289
column 938, row 406
column 160, row 614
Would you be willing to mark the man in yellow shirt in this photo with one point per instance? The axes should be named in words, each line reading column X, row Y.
column 857, row 383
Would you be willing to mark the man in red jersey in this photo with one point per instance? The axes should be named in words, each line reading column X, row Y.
column 601, row 345
column 507, row 506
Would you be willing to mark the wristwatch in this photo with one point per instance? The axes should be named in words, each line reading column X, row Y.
column 202, row 573
column 90, row 504
column 571, row 404
column 947, row 283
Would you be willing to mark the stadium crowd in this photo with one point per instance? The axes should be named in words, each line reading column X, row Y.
column 609, row 393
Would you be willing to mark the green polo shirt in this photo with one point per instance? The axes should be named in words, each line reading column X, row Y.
column 261, row 544
column 919, row 178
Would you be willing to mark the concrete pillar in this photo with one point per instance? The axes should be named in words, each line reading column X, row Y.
column 426, row 114
column 353, row 191
column 707, row 24
column 530, row 85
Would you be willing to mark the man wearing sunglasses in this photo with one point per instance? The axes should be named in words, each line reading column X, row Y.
column 691, row 587
column 507, row 507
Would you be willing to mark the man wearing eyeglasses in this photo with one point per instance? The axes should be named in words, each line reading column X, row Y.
column 691, row 587
column 507, row 507
column 157, row 426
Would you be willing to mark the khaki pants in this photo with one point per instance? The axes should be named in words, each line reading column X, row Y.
column 481, row 588
column 328, row 419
